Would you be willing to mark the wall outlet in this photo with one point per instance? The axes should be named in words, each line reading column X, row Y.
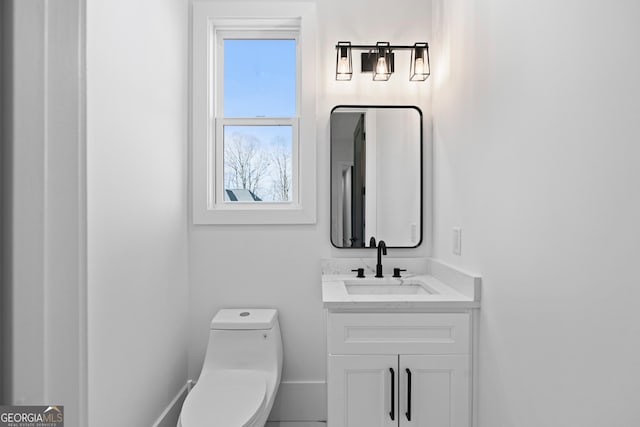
column 457, row 241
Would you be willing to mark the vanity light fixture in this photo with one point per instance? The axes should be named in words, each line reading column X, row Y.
column 420, row 68
column 343, row 61
column 383, row 59
column 379, row 60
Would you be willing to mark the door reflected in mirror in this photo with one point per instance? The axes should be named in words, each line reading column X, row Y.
column 376, row 175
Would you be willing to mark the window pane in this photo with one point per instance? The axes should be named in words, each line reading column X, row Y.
column 259, row 78
column 257, row 163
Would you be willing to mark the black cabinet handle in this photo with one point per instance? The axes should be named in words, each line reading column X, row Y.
column 392, row 414
column 408, row 413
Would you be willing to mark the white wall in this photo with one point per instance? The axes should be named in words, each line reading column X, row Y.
column 44, row 282
column 5, row 298
column 137, row 232
column 65, row 323
column 26, row 205
column 279, row 266
column 536, row 144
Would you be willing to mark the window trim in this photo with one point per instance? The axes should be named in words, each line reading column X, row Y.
column 209, row 18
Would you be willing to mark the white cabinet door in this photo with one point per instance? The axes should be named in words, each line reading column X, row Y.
column 362, row 391
column 439, row 393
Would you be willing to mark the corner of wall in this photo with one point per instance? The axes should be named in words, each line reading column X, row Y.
column 4, row 288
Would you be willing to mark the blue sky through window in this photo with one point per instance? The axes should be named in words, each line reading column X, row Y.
column 259, row 78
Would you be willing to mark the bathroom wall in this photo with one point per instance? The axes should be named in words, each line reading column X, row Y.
column 279, row 266
column 44, row 348
column 535, row 132
column 25, row 209
column 137, row 208
column 4, row 250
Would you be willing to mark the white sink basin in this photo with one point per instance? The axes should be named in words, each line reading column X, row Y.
column 387, row 287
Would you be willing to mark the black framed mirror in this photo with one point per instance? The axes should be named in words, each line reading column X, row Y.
column 376, row 175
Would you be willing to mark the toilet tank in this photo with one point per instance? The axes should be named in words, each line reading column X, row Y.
column 244, row 339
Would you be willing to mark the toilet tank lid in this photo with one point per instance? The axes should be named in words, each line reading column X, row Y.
column 244, row 318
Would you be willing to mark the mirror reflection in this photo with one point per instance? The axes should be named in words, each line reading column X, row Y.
column 376, row 175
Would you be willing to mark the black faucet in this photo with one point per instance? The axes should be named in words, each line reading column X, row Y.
column 382, row 250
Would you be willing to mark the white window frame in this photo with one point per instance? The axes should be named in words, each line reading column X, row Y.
column 213, row 21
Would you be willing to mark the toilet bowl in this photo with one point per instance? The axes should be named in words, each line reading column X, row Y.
column 241, row 371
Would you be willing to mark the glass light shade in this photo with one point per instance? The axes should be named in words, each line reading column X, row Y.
column 344, row 70
column 420, row 68
column 382, row 69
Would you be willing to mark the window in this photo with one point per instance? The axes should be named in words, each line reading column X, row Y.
column 253, row 135
column 258, row 127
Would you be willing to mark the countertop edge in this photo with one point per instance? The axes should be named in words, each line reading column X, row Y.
column 445, row 305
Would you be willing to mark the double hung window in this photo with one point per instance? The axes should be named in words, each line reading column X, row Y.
column 257, row 118
column 253, row 132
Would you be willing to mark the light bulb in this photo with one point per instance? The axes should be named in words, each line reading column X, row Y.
column 419, row 66
column 343, row 65
column 381, row 66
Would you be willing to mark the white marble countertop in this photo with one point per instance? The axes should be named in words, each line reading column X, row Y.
column 452, row 288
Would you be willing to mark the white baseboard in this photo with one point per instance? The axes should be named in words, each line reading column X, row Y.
column 300, row 401
column 295, row 401
column 170, row 415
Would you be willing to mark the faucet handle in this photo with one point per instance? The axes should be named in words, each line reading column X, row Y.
column 360, row 272
column 396, row 271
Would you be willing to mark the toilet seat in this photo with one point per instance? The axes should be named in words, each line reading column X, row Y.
column 225, row 398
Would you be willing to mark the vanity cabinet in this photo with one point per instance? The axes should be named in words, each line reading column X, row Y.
column 399, row 369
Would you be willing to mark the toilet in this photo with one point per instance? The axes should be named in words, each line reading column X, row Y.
column 241, row 371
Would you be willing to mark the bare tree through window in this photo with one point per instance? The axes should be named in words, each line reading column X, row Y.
column 281, row 166
column 259, row 163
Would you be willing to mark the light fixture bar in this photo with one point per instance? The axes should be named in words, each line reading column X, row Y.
column 379, row 60
column 375, row 46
